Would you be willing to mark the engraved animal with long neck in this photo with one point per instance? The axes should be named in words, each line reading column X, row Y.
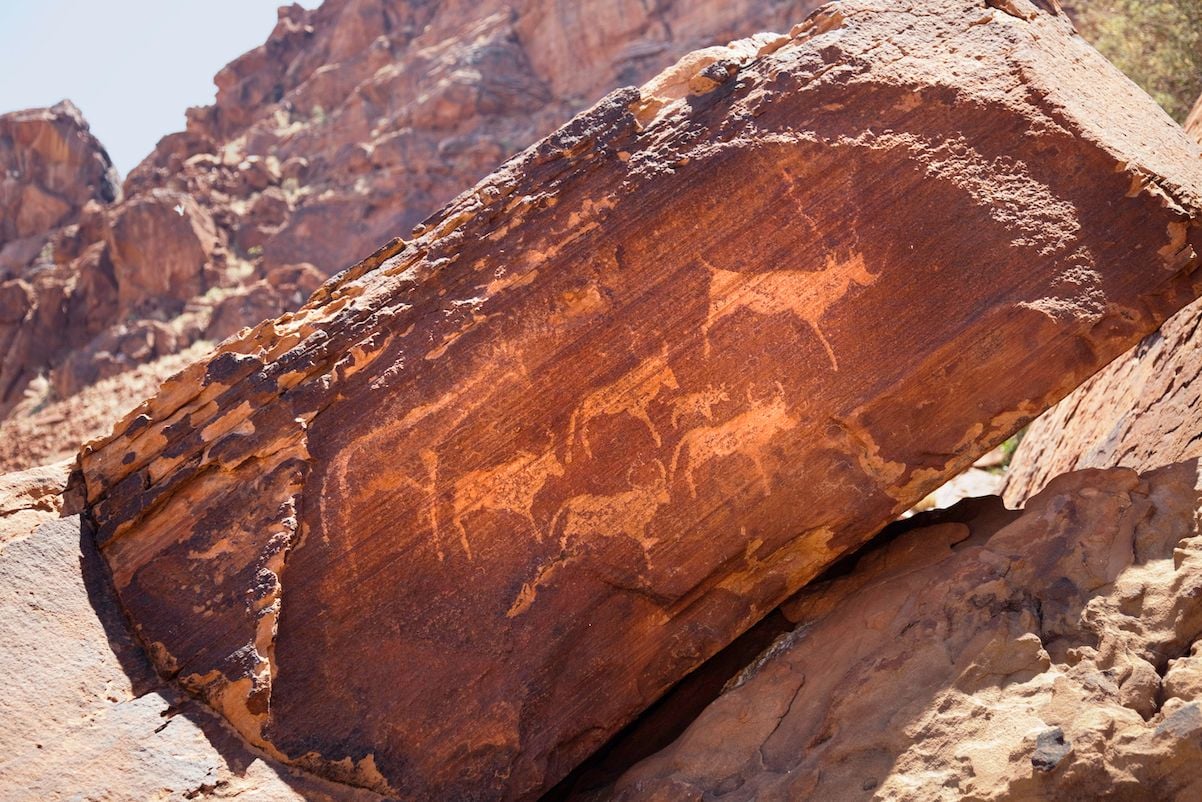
column 807, row 295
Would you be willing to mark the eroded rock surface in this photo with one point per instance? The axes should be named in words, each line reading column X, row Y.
column 352, row 122
column 984, row 654
column 1143, row 411
column 445, row 529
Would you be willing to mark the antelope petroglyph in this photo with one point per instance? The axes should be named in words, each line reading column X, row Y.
column 749, row 434
column 631, row 394
column 804, row 294
column 587, row 517
column 509, row 487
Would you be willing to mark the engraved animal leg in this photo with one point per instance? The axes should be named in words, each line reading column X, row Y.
column 538, row 534
column 571, row 442
column 579, row 420
column 763, row 474
column 640, row 412
column 463, row 541
column 830, row 352
column 564, row 513
column 680, row 447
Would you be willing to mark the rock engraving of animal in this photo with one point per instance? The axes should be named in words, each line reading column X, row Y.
column 509, row 487
column 806, row 295
column 630, row 394
column 588, row 517
column 749, row 433
column 700, row 404
column 625, row 513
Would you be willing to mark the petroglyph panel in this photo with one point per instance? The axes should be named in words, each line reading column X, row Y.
column 493, row 490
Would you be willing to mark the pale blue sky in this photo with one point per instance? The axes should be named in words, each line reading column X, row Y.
column 132, row 66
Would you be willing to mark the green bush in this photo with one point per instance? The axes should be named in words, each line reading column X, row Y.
column 1157, row 43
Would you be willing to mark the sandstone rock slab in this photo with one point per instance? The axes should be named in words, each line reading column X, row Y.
column 83, row 717
column 482, row 500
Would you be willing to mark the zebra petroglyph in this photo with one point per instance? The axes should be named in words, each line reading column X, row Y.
column 807, row 295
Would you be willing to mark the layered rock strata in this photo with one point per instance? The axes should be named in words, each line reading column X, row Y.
column 445, row 529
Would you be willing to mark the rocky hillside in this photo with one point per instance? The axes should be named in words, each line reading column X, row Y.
column 350, row 125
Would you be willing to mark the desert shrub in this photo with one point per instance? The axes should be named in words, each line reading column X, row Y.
column 1157, row 43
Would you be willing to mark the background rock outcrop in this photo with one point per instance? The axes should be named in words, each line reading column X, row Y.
column 1143, row 411
column 981, row 653
column 633, row 400
column 50, row 167
column 352, row 122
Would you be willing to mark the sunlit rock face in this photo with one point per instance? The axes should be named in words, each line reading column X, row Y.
column 1143, row 411
column 352, row 122
column 485, row 497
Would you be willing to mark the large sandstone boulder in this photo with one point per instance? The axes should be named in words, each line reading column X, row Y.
column 1143, row 411
column 50, row 166
column 985, row 654
column 492, row 491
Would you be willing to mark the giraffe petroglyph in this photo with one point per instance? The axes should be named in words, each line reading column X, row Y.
column 509, row 487
column 804, row 294
column 749, row 433
column 631, row 394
